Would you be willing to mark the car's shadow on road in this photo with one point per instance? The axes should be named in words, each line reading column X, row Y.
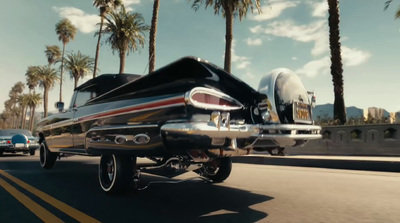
column 5, row 155
column 75, row 183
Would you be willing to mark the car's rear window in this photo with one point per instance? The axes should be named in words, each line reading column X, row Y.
column 11, row 132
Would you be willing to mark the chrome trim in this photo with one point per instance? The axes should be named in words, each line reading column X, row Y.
column 256, row 132
column 189, row 100
column 121, row 127
column 211, row 130
column 136, row 139
column 120, row 139
column 62, row 124
column 88, row 117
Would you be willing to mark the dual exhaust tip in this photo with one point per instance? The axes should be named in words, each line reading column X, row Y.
column 138, row 139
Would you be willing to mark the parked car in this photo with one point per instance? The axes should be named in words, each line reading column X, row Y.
column 188, row 115
column 17, row 140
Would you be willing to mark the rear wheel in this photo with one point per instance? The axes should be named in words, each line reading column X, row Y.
column 116, row 173
column 218, row 170
column 47, row 158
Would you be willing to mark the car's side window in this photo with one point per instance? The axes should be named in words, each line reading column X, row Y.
column 84, row 95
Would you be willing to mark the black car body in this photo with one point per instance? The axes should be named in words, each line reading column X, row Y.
column 187, row 113
column 17, row 140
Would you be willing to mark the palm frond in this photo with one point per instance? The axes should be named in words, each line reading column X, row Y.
column 387, row 4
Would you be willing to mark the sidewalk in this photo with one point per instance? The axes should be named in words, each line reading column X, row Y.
column 370, row 163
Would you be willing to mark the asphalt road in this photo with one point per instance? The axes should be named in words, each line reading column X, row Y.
column 70, row 192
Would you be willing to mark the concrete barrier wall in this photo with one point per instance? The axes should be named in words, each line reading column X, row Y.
column 369, row 140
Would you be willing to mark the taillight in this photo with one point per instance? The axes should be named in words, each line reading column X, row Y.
column 211, row 99
column 29, row 141
column 8, row 142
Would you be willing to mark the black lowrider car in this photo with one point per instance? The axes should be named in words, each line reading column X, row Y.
column 188, row 115
column 17, row 140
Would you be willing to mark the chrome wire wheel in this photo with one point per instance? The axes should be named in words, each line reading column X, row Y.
column 107, row 172
column 110, row 170
column 47, row 158
column 42, row 154
column 116, row 173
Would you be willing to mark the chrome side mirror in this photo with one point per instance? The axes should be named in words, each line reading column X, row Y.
column 313, row 98
column 59, row 106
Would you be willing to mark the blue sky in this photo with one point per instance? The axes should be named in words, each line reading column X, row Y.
column 289, row 33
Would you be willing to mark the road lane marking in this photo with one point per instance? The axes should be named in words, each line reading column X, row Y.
column 72, row 212
column 34, row 207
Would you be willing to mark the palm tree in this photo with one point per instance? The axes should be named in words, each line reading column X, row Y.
column 229, row 8
column 14, row 94
column 34, row 100
column 7, row 114
column 126, row 33
column 32, row 79
column 53, row 54
column 339, row 109
column 3, row 118
column 78, row 66
column 105, row 6
column 153, row 34
column 47, row 79
column 24, row 104
column 66, row 32
column 387, row 4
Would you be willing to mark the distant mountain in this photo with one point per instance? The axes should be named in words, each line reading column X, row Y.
column 326, row 111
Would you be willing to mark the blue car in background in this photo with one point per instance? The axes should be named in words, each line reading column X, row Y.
column 18, row 140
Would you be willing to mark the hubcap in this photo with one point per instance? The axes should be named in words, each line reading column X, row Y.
column 110, row 169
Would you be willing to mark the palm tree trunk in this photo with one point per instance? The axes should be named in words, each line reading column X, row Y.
column 153, row 34
column 122, row 56
column 62, row 69
column 339, row 109
column 31, row 120
column 98, row 46
column 20, row 119
column 13, row 122
column 228, row 39
column 76, row 82
column 24, row 117
column 45, row 100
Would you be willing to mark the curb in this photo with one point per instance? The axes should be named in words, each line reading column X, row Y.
column 323, row 162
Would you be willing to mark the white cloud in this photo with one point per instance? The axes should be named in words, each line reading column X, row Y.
column 273, row 10
column 128, row 4
column 256, row 29
column 243, row 64
column 350, row 57
column 131, row 2
column 253, row 42
column 316, row 67
column 354, row 57
column 84, row 22
column 239, row 61
column 294, row 58
column 316, row 32
column 320, row 9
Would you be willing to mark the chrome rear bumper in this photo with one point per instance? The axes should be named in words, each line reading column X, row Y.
column 273, row 135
